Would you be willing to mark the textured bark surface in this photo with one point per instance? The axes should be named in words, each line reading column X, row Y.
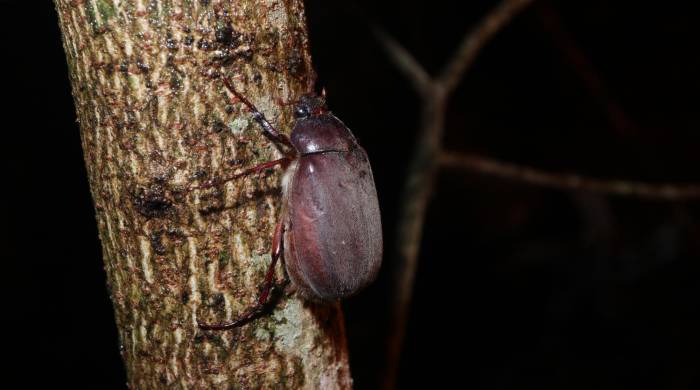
column 155, row 121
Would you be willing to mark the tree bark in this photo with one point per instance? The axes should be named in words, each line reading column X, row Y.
column 155, row 122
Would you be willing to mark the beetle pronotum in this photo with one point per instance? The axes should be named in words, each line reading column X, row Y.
column 329, row 232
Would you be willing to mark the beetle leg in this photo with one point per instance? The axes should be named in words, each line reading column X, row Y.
column 248, row 171
column 277, row 245
column 259, row 117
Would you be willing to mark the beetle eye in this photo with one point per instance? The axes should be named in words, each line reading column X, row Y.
column 301, row 112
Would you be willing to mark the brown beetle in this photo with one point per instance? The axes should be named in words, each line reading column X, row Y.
column 330, row 229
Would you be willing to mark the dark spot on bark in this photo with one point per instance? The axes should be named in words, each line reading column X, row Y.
column 151, row 202
column 162, row 379
column 176, row 236
column 225, row 35
column 159, row 179
column 175, row 83
column 170, row 43
column 211, row 201
column 199, row 338
column 204, row 2
column 203, row 44
column 156, row 156
column 224, row 258
column 260, row 208
column 215, row 339
column 156, row 239
column 189, row 40
column 363, row 173
column 228, row 108
column 142, row 66
column 124, row 67
column 217, row 300
column 257, row 78
column 142, row 353
column 215, row 74
column 235, row 161
column 152, row 107
column 224, row 57
column 295, row 64
column 218, row 126
column 200, row 174
column 246, row 54
column 185, row 297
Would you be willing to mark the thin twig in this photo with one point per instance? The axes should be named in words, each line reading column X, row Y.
column 424, row 162
column 473, row 43
column 404, row 61
column 576, row 57
column 564, row 181
column 415, row 197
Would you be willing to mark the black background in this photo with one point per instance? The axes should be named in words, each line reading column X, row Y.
column 518, row 286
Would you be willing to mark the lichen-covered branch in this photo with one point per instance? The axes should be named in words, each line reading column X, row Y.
column 155, row 121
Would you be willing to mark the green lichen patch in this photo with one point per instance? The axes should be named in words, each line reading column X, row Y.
column 224, row 259
column 238, row 125
column 106, row 9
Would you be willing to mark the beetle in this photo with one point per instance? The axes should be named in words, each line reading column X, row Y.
column 329, row 233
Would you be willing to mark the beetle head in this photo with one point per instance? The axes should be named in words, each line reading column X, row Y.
column 310, row 105
column 317, row 129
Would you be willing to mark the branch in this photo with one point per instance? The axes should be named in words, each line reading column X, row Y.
column 473, row 43
column 575, row 56
column 562, row 181
column 424, row 163
column 404, row 61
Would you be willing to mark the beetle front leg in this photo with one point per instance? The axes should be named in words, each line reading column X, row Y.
column 277, row 247
column 258, row 116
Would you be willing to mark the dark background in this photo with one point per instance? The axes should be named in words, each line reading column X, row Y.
column 518, row 286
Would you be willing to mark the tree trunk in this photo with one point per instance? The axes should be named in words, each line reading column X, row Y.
column 155, row 121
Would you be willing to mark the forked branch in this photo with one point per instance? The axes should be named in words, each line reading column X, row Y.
column 418, row 188
column 428, row 157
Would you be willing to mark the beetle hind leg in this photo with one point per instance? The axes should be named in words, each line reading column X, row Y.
column 259, row 306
